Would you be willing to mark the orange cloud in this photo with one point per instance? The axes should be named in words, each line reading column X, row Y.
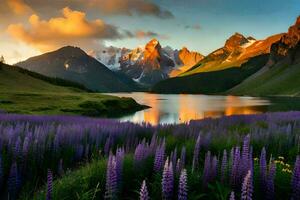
column 131, row 7
column 148, row 34
column 72, row 28
column 19, row 7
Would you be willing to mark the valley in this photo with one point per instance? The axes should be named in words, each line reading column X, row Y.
column 149, row 99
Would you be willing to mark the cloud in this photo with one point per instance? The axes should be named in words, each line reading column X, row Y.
column 131, row 7
column 19, row 7
column 148, row 34
column 72, row 28
column 13, row 10
column 105, row 7
column 195, row 27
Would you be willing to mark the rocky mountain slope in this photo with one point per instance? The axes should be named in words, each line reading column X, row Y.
column 237, row 50
column 267, row 67
column 280, row 76
column 147, row 66
column 72, row 63
column 150, row 63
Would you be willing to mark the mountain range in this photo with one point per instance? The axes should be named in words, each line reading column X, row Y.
column 280, row 75
column 243, row 66
column 148, row 64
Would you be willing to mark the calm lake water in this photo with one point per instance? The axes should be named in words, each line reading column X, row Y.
column 177, row 108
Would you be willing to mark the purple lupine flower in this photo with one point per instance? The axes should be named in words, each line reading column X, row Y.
column 251, row 160
column 247, row 187
column 49, row 185
column 167, row 181
column 245, row 160
column 138, row 153
column 263, row 169
column 196, row 154
column 153, row 143
column 178, row 167
column 111, row 178
column 13, row 181
column 17, row 149
column 232, row 197
column 182, row 157
column 224, row 166
column 159, row 157
column 270, row 190
column 144, row 195
column 182, row 188
column 234, row 178
column 25, row 146
column 119, row 163
column 295, row 183
column 231, row 158
column 214, row 168
column 206, row 169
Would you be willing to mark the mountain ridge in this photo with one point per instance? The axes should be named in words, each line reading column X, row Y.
column 280, row 75
column 280, row 53
column 236, row 51
column 72, row 63
column 150, row 63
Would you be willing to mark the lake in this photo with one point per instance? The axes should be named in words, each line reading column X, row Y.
column 178, row 108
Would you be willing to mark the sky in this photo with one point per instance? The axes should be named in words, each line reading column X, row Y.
column 33, row 27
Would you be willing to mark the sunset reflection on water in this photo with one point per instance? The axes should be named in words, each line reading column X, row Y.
column 183, row 108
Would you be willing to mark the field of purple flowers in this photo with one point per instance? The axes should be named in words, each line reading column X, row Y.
column 238, row 157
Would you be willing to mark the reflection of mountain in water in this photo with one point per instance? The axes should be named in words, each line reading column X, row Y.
column 183, row 108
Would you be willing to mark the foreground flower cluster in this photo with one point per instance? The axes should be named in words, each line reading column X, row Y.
column 238, row 157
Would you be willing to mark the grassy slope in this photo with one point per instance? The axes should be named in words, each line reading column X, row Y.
column 279, row 80
column 211, row 82
column 22, row 93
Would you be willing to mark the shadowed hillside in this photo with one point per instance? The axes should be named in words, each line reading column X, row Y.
column 72, row 63
column 211, row 82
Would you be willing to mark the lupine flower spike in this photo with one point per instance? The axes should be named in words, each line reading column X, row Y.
column 232, row 197
column 167, row 181
column 182, row 188
column 247, row 187
column 144, row 195
column 196, row 154
column 111, row 178
column 295, row 184
column 49, row 185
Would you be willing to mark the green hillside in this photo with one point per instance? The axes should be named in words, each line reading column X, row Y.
column 278, row 80
column 26, row 92
column 211, row 82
